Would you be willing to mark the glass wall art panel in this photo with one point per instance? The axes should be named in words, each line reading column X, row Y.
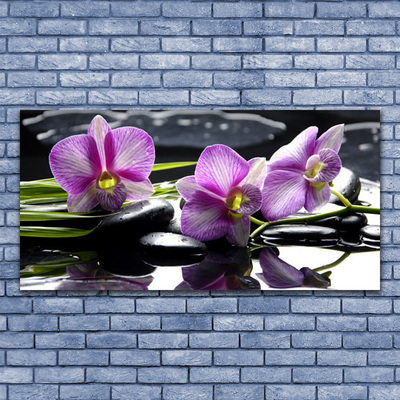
column 200, row 200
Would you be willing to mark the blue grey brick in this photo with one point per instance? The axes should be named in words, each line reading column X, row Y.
column 32, row 45
column 165, row 27
column 212, row 305
column 240, row 323
column 113, row 26
column 264, row 97
column 3, row 9
column 136, row 79
column 32, row 392
column 163, row 340
column 111, row 340
column 319, row 340
column 193, row 45
column 17, row 61
column 289, row 79
column 289, row 357
column 79, row 391
column 317, row 96
column 15, row 305
column 214, row 340
column 61, row 27
column 152, row 98
column 239, row 10
column 343, row 392
column 238, row 357
column 57, row 306
column 215, row 97
column 187, row 79
column 83, row 357
column 385, row 323
column 383, row 357
column 32, row 323
column 216, row 62
column 129, row 9
column 369, row 374
column 319, row 61
column 31, row 357
column 289, row 392
column 10, row 270
column 16, row 340
column 110, row 375
column 342, row 78
column 289, row 45
column 109, row 305
column 3, row 322
column 384, row 10
column 317, row 375
column 370, row 61
column 236, row 392
column 164, row 61
column 186, row 357
column 113, row 61
column 368, row 97
column 128, row 392
column 16, row 375
column 110, row 96
column 341, row 323
column 367, row 306
column 289, row 322
column 135, row 322
column 186, row 323
column 341, row 45
column 94, row 8
column 390, row 44
column 39, row 9
column 84, row 322
column 160, row 305
column 64, row 97
column 209, row 27
column 180, row 392
column 342, row 358
column 384, row 79
column 83, row 79
column 60, row 375
column 12, row 150
column 62, row 61
column 323, row 306
column 288, row 10
column 60, row 341
column 178, row 9
column 162, row 375
column 264, row 375
column 88, row 45
column 135, row 357
column 32, row 79
column 346, row 10
column 239, row 80
column 318, row 27
column 257, row 340
column 367, row 340
column 214, row 375
column 270, row 28
column 381, row 392
column 19, row 26
column 267, row 61
column 264, row 305
column 375, row 28
column 135, row 44
column 237, row 45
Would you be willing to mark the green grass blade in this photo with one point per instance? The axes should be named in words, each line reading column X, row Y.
column 53, row 232
column 164, row 166
column 29, row 216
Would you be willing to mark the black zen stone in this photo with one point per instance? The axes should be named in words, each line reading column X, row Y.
column 348, row 184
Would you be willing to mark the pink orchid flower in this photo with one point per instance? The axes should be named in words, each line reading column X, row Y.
column 300, row 172
column 105, row 166
column 224, row 191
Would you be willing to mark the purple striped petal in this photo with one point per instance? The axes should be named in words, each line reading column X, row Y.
column 257, row 172
column 333, row 166
column 317, row 197
column 294, row 155
column 138, row 190
column 239, row 231
column 331, row 139
column 75, row 162
column 98, row 129
column 187, row 186
column 85, row 201
column 129, row 152
column 251, row 200
column 283, row 194
column 220, row 168
column 277, row 273
column 112, row 199
column 204, row 217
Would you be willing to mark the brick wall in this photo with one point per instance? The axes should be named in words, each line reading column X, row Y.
column 158, row 54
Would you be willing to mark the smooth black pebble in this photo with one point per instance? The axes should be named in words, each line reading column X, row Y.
column 371, row 232
column 351, row 222
column 348, row 184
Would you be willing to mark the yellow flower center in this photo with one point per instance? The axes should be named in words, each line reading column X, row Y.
column 107, row 180
column 315, row 169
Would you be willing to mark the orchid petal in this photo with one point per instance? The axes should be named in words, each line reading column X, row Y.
column 314, row 279
column 251, row 200
column 112, row 199
column 331, row 139
column 204, row 217
column 129, row 152
column 333, row 164
column 283, row 194
column 84, row 201
column 257, row 172
column 138, row 190
column 187, row 186
column 220, row 168
column 74, row 162
column 239, row 231
column 98, row 129
column 316, row 197
column 294, row 155
column 277, row 273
